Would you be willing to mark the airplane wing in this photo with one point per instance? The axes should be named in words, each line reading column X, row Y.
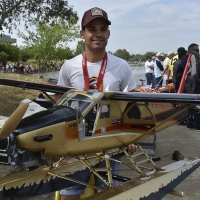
column 119, row 96
column 35, row 86
column 156, row 97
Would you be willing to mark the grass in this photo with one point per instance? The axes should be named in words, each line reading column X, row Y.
column 11, row 96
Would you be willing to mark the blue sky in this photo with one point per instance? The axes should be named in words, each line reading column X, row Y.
column 147, row 25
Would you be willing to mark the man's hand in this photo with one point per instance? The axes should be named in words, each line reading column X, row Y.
column 131, row 149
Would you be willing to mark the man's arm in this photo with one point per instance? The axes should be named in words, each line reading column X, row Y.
column 168, row 74
column 151, row 66
column 58, row 96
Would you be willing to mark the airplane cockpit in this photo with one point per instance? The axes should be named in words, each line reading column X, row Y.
column 90, row 105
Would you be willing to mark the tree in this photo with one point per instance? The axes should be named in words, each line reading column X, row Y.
column 63, row 53
column 3, row 57
column 13, row 51
column 25, row 53
column 80, row 48
column 3, row 54
column 43, row 43
column 12, row 12
column 122, row 53
column 149, row 53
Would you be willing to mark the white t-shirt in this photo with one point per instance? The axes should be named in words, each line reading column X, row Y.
column 147, row 67
column 152, row 64
column 166, row 64
column 118, row 74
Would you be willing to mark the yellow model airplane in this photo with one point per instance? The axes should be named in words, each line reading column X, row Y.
column 47, row 147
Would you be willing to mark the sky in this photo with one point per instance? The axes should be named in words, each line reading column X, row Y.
column 140, row 26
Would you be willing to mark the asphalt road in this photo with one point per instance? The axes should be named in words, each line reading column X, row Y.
column 172, row 139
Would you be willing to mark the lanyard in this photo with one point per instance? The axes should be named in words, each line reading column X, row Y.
column 101, row 72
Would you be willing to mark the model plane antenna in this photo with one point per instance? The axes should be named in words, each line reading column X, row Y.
column 126, row 88
column 107, row 88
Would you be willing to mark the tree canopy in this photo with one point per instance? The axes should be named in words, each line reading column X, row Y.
column 9, row 52
column 80, row 48
column 12, row 12
column 122, row 53
column 48, row 43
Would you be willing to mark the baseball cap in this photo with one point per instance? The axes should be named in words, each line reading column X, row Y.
column 93, row 13
column 170, row 53
column 153, row 57
column 181, row 50
column 159, row 54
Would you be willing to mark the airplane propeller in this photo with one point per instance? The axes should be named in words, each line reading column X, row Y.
column 13, row 121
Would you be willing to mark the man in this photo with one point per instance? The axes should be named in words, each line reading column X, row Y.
column 95, row 69
column 148, row 70
column 158, row 70
column 194, row 63
column 194, row 76
column 167, row 78
column 173, row 68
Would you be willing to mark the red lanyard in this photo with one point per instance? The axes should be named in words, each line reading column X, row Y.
column 101, row 72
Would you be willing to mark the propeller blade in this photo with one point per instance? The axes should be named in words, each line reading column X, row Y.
column 13, row 121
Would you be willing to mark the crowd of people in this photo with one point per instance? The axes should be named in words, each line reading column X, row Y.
column 171, row 71
column 23, row 68
column 17, row 68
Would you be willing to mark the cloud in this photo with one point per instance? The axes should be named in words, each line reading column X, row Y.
column 153, row 25
column 159, row 26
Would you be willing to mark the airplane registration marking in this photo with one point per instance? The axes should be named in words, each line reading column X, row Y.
column 158, row 105
column 71, row 125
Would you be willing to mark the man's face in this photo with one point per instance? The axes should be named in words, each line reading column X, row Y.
column 195, row 49
column 96, row 34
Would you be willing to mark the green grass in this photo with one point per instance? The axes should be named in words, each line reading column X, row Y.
column 11, row 96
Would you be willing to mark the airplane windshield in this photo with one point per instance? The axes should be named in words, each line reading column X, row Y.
column 79, row 100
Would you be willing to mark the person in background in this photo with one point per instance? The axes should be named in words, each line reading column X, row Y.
column 194, row 120
column 167, row 78
column 158, row 70
column 173, row 68
column 194, row 50
column 95, row 69
column 153, row 59
column 148, row 70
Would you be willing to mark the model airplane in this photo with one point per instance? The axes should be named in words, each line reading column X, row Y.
column 89, row 126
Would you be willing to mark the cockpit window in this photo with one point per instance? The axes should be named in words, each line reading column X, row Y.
column 74, row 100
column 80, row 101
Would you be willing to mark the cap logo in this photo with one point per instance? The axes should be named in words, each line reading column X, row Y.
column 96, row 11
